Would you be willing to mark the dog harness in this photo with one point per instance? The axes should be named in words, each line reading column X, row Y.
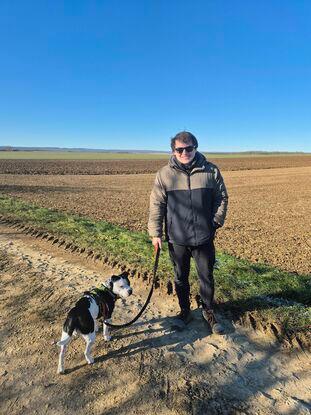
column 102, row 305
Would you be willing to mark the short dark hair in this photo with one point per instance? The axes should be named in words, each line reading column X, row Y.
column 186, row 138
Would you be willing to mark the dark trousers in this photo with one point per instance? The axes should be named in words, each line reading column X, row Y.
column 204, row 257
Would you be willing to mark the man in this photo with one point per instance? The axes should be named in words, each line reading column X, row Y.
column 190, row 197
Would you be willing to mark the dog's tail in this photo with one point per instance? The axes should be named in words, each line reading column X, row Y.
column 69, row 327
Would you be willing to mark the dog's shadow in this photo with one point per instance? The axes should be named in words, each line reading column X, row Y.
column 73, row 369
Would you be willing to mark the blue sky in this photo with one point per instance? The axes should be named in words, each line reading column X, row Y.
column 130, row 74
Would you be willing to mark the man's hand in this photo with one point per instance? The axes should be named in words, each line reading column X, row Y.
column 157, row 242
column 216, row 225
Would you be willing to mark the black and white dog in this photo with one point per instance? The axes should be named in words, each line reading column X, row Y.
column 81, row 319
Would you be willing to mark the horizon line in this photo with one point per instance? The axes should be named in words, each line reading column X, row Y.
column 8, row 148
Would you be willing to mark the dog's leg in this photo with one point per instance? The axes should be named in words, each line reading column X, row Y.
column 106, row 331
column 63, row 343
column 90, row 339
column 61, row 368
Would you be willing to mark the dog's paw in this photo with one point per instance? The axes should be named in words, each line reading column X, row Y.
column 107, row 338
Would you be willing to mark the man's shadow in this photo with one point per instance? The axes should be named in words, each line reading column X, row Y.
column 158, row 333
column 167, row 335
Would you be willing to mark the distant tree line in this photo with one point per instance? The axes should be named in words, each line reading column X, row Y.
column 8, row 148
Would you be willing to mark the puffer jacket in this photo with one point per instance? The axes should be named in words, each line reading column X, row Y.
column 189, row 203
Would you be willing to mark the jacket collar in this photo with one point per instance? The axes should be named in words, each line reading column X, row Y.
column 198, row 163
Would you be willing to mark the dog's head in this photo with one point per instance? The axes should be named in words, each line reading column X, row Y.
column 119, row 285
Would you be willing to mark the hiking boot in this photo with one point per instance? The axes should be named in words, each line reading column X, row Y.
column 210, row 318
column 182, row 319
column 185, row 316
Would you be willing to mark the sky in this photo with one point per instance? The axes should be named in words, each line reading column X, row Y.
column 130, row 74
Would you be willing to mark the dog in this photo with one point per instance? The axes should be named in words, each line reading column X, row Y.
column 96, row 303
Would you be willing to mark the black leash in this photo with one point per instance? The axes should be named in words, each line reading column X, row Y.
column 155, row 268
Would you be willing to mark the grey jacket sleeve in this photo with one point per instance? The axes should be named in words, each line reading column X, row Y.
column 220, row 198
column 158, row 200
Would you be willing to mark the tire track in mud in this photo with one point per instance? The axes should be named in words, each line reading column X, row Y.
column 146, row 369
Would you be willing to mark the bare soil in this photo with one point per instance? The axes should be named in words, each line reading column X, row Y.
column 107, row 167
column 147, row 368
column 268, row 217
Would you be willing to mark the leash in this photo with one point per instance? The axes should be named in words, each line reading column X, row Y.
column 155, row 268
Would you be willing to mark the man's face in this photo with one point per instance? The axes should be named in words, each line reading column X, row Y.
column 184, row 152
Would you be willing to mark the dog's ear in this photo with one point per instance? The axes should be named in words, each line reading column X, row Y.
column 109, row 284
column 125, row 276
column 113, row 279
column 128, row 280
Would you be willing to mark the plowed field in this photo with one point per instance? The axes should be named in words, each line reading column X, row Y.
column 111, row 167
column 268, row 219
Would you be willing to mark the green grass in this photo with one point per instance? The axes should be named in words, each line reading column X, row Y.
column 75, row 155
column 241, row 286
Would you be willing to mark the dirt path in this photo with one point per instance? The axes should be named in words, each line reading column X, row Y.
column 146, row 369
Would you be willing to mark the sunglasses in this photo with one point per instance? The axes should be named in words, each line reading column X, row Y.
column 188, row 149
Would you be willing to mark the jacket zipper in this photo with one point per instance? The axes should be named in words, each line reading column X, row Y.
column 190, row 197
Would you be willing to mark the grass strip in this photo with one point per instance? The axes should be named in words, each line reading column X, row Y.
column 274, row 295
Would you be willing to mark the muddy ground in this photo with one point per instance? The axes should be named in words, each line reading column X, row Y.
column 146, row 368
column 268, row 216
